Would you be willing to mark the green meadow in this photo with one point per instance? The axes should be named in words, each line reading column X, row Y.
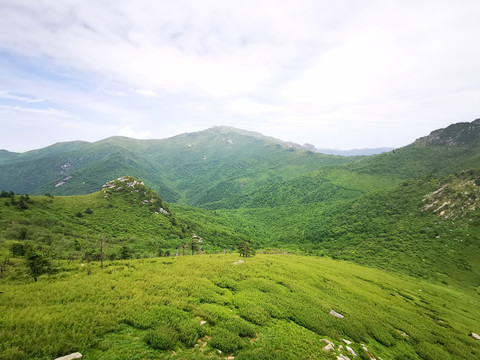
column 208, row 307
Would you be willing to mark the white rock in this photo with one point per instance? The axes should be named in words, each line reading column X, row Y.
column 343, row 357
column 73, row 356
column 476, row 336
column 203, row 322
column 238, row 262
column 348, row 342
column 329, row 346
column 336, row 314
column 368, row 353
column 350, row 350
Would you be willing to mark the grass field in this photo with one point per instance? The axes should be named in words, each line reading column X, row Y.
column 207, row 307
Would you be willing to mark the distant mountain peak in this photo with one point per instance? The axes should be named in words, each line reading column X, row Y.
column 223, row 129
column 458, row 134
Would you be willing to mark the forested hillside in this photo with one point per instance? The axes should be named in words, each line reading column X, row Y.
column 369, row 210
column 194, row 168
column 126, row 218
column 147, row 266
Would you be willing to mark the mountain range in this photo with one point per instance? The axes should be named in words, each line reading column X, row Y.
column 198, row 167
column 360, row 208
column 111, row 230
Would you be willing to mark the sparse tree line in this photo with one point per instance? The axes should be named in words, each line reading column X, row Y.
column 21, row 202
column 39, row 263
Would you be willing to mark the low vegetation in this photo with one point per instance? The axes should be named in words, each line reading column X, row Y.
column 292, row 255
column 211, row 306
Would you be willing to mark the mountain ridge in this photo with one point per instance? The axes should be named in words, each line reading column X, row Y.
column 180, row 166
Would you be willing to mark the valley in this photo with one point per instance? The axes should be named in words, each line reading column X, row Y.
column 136, row 244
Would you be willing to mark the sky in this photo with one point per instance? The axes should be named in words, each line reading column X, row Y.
column 338, row 74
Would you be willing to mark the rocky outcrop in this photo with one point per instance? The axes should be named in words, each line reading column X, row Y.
column 330, row 345
column 460, row 134
column 63, row 181
column 340, row 350
column 456, row 197
column 126, row 180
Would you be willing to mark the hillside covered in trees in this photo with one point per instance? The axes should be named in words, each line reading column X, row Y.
column 397, row 234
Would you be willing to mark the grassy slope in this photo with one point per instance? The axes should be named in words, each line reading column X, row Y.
column 62, row 226
column 387, row 229
column 444, row 151
column 270, row 307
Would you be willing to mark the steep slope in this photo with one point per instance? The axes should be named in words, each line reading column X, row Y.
column 6, row 156
column 76, row 168
column 329, row 185
column 221, row 162
column 125, row 213
column 426, row 227
column 444, row 151
column 198, row 168
column 212, row 307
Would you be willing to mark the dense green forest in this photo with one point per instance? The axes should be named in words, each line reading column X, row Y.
column 130, row 249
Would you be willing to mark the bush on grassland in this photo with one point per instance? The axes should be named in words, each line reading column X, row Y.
column 162, row 338
column 226, row 341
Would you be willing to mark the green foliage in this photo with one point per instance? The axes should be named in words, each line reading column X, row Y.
column 226, row 341
column 389, row 211
column 62, row 227
column 280, row 307
column 245, row 250
column 124, row 253
column 162, row 338
column 19, row 249
column 239, row 327
column 37, row 264
column 254, row 313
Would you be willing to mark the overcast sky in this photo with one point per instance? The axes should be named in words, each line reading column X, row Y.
column 335, row 73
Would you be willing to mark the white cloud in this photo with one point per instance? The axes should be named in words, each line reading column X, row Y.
column 297, row 68
column 129, row 132
column 146, row 93
column 10, row 96
column 44, row 112
column 252, row 107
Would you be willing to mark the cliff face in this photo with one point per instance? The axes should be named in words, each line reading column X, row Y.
column 460, row 134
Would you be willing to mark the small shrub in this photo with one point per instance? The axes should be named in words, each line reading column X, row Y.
column 18, row 249
column 13, row 353
column 267, row 353
column 19, row 233
column 188, row 333
column 240, row 327
column 162, row 338
column 429, row 351
column 405, row 356
column 383, row 337
column 227, row 283
column 255, row 314
column 226, row 341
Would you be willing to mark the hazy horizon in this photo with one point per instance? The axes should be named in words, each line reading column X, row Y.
column 266, row 135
